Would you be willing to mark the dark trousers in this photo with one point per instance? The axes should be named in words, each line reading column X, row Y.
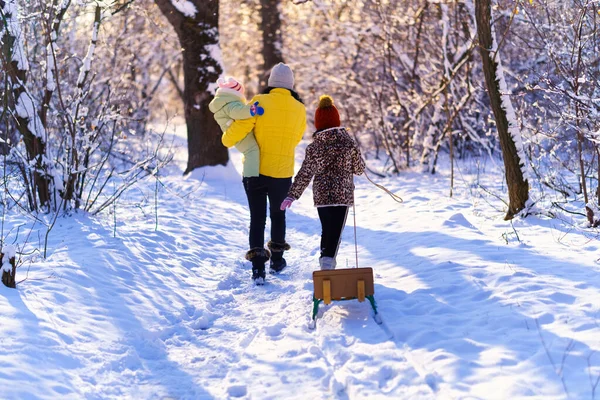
column 333, row 219
column 258, row 189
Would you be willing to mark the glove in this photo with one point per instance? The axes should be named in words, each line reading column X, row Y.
column 255, row 109
column 287, row 203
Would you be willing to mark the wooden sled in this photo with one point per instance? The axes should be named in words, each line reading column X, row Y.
column 343, row 284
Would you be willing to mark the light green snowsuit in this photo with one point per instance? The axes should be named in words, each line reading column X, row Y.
column 228, row 107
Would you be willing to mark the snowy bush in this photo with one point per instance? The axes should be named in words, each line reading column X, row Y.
column 78, row 81
column 553, row 49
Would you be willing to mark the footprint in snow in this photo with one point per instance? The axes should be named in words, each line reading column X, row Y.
column 432, row 380
column 274, row 330
column 237, row 390
column 230, row 282
column 385, row 375
column 545, row 319
column 418, row 199
column 563, row 298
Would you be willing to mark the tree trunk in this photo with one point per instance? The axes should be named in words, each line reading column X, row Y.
column 517, row 185
column 8, row 276
column 271, row 33
column 199, row 37
column 29, row 124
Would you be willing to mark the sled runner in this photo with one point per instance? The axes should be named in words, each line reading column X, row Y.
column 343, row 284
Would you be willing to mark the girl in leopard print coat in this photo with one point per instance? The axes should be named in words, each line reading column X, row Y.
column 332, row 159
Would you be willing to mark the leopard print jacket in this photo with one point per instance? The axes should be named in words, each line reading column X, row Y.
column 333, row 159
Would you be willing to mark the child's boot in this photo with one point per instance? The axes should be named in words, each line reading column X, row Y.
column 327, row 263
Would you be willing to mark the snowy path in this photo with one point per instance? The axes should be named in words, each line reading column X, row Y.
column 173, row 314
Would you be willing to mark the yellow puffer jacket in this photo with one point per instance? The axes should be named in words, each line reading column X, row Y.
column 278, row 131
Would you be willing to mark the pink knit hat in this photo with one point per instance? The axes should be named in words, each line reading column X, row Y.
column 230, row 84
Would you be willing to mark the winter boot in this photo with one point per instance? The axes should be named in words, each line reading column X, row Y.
column 277, row 263
column 258, row 257
column 327, row 263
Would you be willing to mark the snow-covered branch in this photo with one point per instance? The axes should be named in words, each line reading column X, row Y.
column 513, row 123
column 87, row 60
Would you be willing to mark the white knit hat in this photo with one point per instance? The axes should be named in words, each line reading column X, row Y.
column 281, row 77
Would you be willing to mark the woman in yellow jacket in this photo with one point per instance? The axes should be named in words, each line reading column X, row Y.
column 278, row 131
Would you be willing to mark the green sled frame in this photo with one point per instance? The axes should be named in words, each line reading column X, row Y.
column 316, row 303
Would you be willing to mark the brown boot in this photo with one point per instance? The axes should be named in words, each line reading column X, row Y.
column 277, row 263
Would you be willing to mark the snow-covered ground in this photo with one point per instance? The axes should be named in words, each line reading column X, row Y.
column 473, row 307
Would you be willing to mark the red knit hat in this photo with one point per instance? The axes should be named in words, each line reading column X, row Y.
column 327, row 115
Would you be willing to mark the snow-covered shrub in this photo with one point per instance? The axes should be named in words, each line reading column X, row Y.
column 552, row 47
column 78, row 79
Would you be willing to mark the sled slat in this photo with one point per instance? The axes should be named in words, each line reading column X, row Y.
column 360, row 285
column 326, row 291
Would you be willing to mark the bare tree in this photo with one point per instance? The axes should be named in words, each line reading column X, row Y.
column 196, row 24
column 508, row 132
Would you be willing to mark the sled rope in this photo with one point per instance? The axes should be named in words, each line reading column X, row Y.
column 395, row 197
column 355, row 240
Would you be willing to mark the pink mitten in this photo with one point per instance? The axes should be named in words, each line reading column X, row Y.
column 287, row 203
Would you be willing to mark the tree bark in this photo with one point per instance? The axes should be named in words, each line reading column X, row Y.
column 517, row 185
column 271, row 33
column 9, row 278
column 199, row 38
column 33, row 138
